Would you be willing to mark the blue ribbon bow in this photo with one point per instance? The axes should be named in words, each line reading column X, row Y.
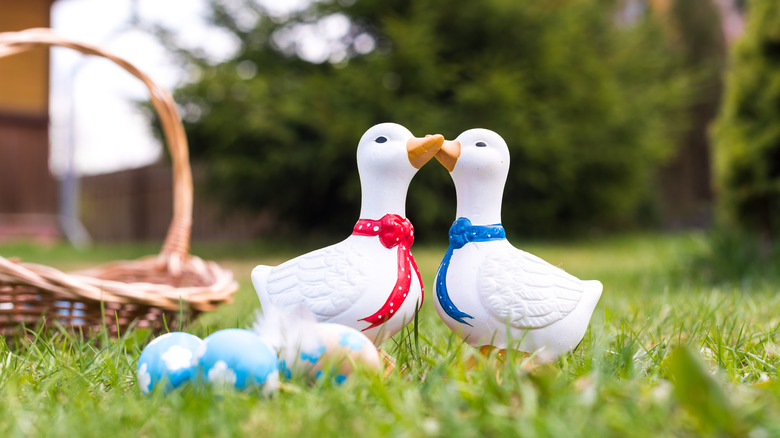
column 461, row 233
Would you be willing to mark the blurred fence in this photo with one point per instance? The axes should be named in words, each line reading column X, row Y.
column 136, row 205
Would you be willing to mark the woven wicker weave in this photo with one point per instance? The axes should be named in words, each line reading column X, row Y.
column 117, row 295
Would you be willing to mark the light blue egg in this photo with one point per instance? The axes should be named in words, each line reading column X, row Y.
column 168, row 358
column 238, row 358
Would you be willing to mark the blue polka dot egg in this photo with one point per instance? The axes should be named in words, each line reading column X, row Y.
column 239, row 359
column 168, row 359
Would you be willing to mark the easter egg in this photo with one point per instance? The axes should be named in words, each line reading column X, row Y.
column 239, row 359
column 331, row 350
column 168, row 358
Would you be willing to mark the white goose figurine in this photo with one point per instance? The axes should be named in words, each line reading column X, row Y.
column 370, row 280
column 489, row 292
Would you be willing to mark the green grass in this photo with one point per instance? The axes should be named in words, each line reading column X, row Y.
column 666, row 355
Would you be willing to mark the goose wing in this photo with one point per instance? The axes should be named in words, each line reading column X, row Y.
column 326, row 281
column 525, row 291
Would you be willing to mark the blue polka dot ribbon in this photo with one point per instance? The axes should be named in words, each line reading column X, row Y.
column 461, row 233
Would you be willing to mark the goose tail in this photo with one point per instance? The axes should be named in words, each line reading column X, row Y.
column 260, row 281
column 593, row 289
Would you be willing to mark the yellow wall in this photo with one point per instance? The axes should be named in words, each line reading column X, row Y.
column 24, row 78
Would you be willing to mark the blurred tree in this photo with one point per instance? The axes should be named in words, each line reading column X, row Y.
column 747, row 135
column 587, row 102
column 695, row 28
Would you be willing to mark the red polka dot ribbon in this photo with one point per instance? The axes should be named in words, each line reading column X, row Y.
column 392, row 230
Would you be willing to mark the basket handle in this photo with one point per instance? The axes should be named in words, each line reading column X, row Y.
column 175, row 249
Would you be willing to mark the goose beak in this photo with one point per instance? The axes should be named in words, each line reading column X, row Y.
column 448, row 154
column 421, row 150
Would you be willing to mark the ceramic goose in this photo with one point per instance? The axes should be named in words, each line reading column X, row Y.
column 369, row 281
column 489, row 292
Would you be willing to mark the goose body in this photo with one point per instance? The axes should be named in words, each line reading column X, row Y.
column 369, row 281
column 489, row 292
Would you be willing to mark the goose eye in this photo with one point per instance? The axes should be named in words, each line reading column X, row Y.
column 381, row 139
column 481, row 144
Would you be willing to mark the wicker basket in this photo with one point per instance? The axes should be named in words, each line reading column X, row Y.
column 150, row 292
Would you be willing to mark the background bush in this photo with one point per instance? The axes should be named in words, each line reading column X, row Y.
column 586, row 98
column 747, row 135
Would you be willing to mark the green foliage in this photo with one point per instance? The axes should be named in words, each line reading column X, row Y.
column 747, row 135
column 586, row 102
column 733, row 258
column 700, row 393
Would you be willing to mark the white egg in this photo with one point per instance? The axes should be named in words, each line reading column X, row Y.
column 168, row 358
column 239, row 359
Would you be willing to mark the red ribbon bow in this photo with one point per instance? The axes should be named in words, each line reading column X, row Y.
column 392, row 230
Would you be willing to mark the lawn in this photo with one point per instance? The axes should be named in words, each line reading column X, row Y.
column 666, row 355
